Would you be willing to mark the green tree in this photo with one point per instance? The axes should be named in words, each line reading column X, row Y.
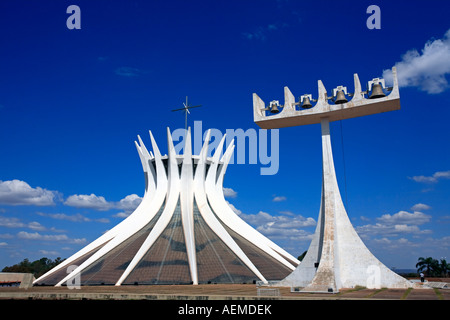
column 428, row 265
column 300, row 257
column 444, row 268
column 38, row 267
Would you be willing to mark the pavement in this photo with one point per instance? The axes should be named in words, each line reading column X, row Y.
column 213, row 292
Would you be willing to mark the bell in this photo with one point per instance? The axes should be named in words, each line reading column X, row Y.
column 274, row 108
column 340, row 98
column 306, row 103
column 377, row 91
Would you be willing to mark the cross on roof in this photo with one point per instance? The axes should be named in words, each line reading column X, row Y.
column 186, row 108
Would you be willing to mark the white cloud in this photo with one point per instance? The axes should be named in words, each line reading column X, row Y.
column 88, row 202
column 48, row 237
column 433, row 178
column 129, row 203
column 9, row 222
column 420, row 207
column 283, row 226
column 235, row 210
column 3, row 244
column 279, row 199
column 287, row 235
column 99, row 203
column 36, row 226
column 49, row 253
column 394, row 230
column 17, row 192
column 62, row 216
column 404, row 217
column 229, row 193
column 400, row 223
column 78, row 240
column 426, row 70
column 287, row 228
column 121, row 214
column 73, row 218
column 38, row 236
column 400, row 243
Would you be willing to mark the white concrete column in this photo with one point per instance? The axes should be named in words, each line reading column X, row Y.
column 325, row 277
column 337, row 257
column 187, row 206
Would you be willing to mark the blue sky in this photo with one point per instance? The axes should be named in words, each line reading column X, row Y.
column 73, row 101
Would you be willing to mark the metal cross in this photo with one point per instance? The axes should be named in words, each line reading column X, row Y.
column 186, row 110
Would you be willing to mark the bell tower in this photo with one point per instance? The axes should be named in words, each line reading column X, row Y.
column 337, row 258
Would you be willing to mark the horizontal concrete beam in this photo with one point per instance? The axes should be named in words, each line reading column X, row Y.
column 291, row 115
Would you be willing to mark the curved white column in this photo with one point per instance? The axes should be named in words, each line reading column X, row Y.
column 187, row 206
column 208, row 215
column 337, row 258
column 141, row 216
column 149, row 170
column 167, row 214
column 214, row 191
column 164, row 190
column 262, row 239
column 127, row 223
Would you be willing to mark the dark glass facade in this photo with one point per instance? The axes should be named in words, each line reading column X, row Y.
column 166, row 262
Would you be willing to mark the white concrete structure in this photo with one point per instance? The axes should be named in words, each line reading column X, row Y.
column 11, row 278
column 336, row 258
column 182, row 232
